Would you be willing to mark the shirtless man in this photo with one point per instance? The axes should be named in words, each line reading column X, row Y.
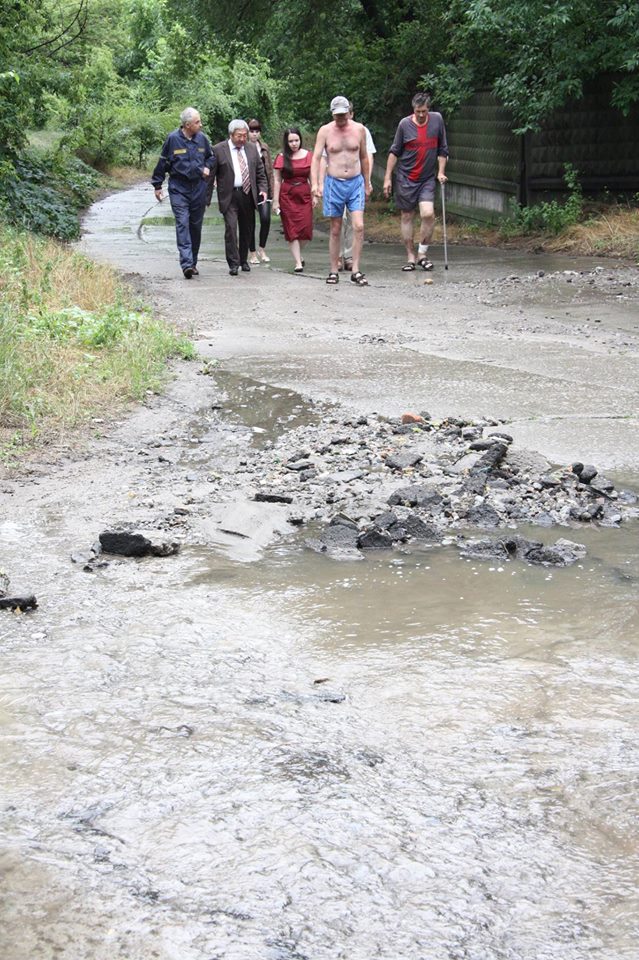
column 419, row 152
column 347, row 182
column 346, row 244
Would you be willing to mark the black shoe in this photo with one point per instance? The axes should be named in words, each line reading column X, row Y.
column 188, row 273
column 233, row 271
column 246, row 267
column 196, row 272
column 425, row 263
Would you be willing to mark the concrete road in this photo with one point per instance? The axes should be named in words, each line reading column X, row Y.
column 548, row 344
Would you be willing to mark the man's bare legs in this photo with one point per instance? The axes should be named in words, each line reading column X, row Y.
column 407, row 234
column 357, row 221
column 335, row 236
column 346, row 252
column 426, row 227
column 334, row 242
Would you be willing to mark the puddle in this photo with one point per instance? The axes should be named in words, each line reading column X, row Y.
column 258, row 408
column 169, row 221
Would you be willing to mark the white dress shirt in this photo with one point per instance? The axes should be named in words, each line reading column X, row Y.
column 236, row 162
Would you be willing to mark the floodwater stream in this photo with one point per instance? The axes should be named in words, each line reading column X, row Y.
column 276, row 756
column 414, row 756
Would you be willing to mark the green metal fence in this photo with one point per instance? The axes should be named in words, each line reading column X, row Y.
column 489, row 165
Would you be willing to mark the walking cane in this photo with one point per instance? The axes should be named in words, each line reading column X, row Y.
column 443, row 189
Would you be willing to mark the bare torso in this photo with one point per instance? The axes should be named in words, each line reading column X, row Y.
column 343, row 148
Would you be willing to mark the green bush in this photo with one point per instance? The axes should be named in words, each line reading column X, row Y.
column 115, row 324
column 547, row 217
column 45, row 192
column 73, row 340
column 88, row 328
column 141, row 133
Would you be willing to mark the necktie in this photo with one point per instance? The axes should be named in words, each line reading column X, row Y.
column 246, row 180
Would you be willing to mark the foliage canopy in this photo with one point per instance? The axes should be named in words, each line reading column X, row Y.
column 534, row 54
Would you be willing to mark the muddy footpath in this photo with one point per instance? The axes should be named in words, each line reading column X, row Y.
column 330, row 651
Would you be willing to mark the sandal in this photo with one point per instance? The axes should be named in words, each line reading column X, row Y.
column 348, row 264
column 298, row 269
column 359, row 279
column 333, row 278
column 408, row 266
column 425, row 264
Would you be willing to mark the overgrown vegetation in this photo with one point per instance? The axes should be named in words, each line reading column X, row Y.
column 534, row 54
column 115, row 74
column 547, row 217
column 113, row 78
column 45, row 191
column 73, row 342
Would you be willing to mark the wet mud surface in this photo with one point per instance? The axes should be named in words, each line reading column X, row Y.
column 251, row 750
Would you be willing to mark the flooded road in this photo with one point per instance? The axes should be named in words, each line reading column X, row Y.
column 264, row 754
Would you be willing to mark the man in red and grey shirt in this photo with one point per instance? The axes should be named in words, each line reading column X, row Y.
column 418, row 156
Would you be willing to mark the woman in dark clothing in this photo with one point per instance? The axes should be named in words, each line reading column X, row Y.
column 292, row 195
column 264, row 209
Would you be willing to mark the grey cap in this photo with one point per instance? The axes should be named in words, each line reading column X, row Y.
column 340, row 105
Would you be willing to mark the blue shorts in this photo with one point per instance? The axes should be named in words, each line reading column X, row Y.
column 340, row 194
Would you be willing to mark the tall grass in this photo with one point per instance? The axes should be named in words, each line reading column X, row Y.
column 614, row 233
column 73, row 342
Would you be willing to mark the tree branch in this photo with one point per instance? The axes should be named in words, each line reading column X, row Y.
column 79, row 18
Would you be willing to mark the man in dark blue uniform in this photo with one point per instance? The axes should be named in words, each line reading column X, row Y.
column 188, row 159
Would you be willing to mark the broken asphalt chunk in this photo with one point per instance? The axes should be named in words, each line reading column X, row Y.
column 126, row 544
column 26, row 602
column 270, row 496
column 560, row 554
column 403, row 460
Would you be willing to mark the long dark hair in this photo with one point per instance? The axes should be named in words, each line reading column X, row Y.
column 286, row 150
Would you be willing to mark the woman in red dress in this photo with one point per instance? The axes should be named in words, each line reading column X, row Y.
column 292, row 194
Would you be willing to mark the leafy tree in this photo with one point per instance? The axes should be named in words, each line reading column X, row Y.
column 537, row 54
column 146, row 24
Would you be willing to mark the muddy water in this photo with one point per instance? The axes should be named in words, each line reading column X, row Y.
column 241, row 754
column 407, row 757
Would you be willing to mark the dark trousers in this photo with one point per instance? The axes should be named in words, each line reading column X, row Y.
column 264, row 210
column 188, row 205
column 239, row 217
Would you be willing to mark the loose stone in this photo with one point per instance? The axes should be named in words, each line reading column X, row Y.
column 269, row 496
column 403, row 460
column 587, row 473
column 126, row 544
column 374, row 539
column 25, row 602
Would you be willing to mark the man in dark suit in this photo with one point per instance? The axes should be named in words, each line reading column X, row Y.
column 241, row 186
